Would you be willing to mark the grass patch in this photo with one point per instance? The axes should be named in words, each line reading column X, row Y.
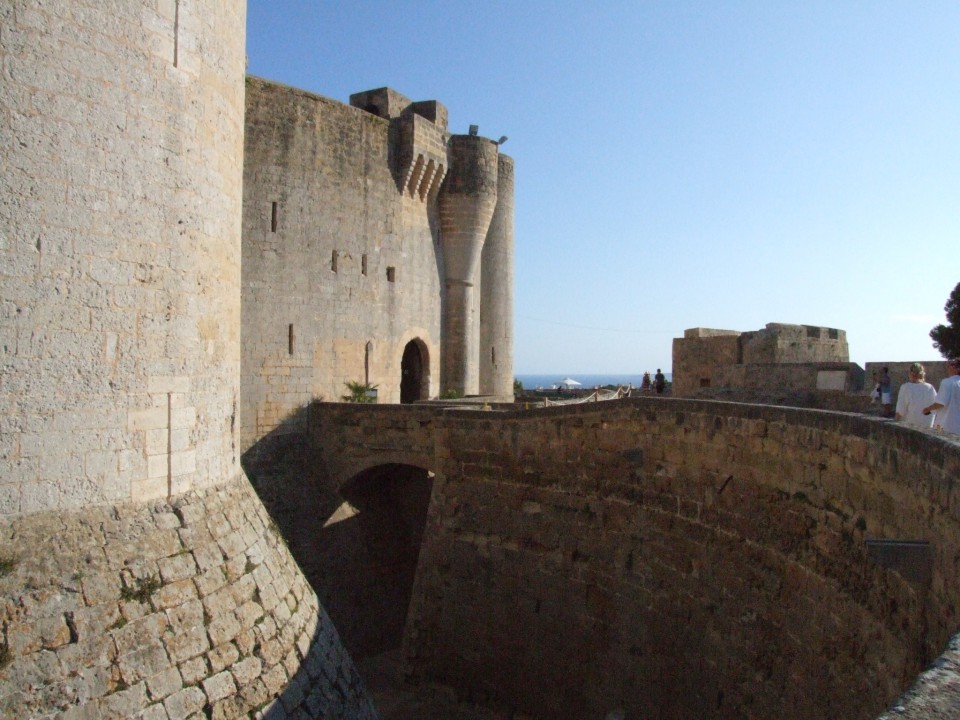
column 7, row 565
column 142, row 592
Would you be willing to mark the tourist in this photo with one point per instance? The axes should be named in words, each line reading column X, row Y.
column 659, row 382
column 645, row 385
column 913, row 397
column 884, row 387
column 947, row 403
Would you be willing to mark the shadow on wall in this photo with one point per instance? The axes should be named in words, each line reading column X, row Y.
column 358, row 544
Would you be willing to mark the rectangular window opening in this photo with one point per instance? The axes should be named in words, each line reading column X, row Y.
column 833, row 334
column 273, row 218
column 290, row 339
column 363, row 264
column 493, row 355
column 391, row 274
column 333, row 260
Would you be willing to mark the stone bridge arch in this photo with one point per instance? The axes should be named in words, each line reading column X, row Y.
column 376, row 534
column 702, row 558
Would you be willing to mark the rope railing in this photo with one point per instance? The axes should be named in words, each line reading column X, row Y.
column 596, row 396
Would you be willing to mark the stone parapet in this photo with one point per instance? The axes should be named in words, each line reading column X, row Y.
column 187, row 608
column 685, row 558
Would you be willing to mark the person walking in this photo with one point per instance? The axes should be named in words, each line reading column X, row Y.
column 914, row 396
column 947, row 403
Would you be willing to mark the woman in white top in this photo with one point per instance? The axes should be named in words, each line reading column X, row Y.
column 914, row 396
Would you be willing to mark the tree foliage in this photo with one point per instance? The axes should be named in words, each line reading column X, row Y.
column 946, row 338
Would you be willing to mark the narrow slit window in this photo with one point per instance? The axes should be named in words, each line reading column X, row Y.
column 493, row 355
column 391, row 274
column 273, row 218
column 290, row 339
column 176, row 33
column 363, row 264
column 334, row 257
column 366, row 362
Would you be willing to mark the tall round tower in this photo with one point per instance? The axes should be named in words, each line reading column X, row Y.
column 120, row 220
column 467, row 200
column 139, row 574
column 496, row 291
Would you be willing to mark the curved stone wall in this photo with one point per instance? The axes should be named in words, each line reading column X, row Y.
column 191, row 607
column 138, row 574
column 676, row 558
column 684, row 559
column 119, row 249
column 466, row 203
column 496, row 291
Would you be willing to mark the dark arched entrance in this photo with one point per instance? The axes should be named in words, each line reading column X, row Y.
column 372, row 542
column 411, row 373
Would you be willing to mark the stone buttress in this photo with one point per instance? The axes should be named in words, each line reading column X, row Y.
column 467, row 201
column 139, row 573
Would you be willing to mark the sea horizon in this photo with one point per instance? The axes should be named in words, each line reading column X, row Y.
column 532, row 381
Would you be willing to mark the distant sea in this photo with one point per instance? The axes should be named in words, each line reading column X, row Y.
column 532, row 382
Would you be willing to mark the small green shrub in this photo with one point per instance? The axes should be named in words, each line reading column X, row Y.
column 360, row 392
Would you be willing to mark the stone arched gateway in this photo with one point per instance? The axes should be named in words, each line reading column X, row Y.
column 414, row 372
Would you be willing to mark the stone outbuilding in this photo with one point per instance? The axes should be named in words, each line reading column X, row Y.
column 779, row 357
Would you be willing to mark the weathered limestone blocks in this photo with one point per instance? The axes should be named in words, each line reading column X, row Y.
column 677, row 558
column 187, row 608
column 778, row 358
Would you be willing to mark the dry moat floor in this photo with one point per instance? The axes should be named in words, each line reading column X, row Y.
column 396, row 700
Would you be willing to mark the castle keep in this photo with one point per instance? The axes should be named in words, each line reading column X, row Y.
column 377, row 248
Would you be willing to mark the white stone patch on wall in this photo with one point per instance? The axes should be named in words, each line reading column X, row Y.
column 832, row 380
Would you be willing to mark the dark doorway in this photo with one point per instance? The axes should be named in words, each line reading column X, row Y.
column 411, row 373
column 372, row 543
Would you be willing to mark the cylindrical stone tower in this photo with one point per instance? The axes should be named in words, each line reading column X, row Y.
column 496, row 291
column 120, row 220
column 140, row 576
column 467, row 200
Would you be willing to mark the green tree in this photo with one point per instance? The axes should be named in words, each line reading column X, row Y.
column 359, row 393
column 517, row 386
column 946, row 338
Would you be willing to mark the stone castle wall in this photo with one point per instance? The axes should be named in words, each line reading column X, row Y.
column 779, row 343
column 119, row 221
column 706, row 358
column 340, row 266
column 169, row 610
column 676, row 558
column 696, row 356
column 139, row 576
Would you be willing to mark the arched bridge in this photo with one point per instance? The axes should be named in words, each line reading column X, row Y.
column 709, row 559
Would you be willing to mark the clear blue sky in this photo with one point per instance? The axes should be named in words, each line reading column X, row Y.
column 682, row 164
